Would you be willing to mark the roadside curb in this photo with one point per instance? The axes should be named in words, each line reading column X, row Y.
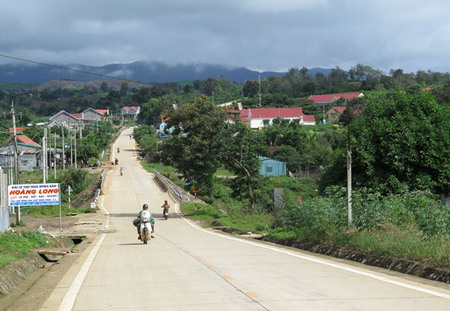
column 394, row 264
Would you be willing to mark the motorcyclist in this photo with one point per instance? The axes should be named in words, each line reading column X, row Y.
column 145, row 219
column 116, row 161
column 165, row 207
column 121, row 171
column 118, row 150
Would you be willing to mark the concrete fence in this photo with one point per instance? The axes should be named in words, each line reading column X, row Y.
column 4, row 210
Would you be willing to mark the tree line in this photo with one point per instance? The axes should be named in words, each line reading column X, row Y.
column 400, row 141
column 291, row 89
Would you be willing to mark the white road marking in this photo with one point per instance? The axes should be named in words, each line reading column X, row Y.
column 72, row 293
column 334, row 265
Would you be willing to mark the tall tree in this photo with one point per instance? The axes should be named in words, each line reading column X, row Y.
column 401, row 140
column 198, row 129
column 155, row 109
column 240, row 155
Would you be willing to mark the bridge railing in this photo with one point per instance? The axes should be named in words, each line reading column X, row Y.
column 167, row 186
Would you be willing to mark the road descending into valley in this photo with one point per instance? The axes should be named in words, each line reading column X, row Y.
column 186, row 267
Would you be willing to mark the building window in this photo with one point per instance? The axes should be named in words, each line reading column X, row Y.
column 266, row 122
column 269, row 169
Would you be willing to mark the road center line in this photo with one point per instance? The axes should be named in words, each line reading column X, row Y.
column 334, row 265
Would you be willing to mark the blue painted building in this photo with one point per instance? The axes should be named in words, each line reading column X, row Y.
column 271, row 167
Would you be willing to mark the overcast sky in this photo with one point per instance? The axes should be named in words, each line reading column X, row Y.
column 257, row 34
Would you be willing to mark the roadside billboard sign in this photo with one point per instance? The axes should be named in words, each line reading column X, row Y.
column 33, row 194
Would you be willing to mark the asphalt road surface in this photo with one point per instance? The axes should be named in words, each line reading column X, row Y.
column 186, row 267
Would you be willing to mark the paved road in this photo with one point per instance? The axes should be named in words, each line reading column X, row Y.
column 189, row 268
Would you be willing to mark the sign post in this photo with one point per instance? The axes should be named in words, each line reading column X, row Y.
column 69, row 190
column 60, row 213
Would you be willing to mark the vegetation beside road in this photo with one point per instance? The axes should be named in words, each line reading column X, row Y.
column 209, row 215
column 82, row 182
column 14, row 246
column 400, row 142
column 411, row 226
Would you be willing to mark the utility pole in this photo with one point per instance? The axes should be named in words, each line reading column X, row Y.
column 16, row 151
column 44, row 156
column 54, row 156
column 48, row 149
column 71, row 150
column 259, row 87
column 16, row 158
column 63, row 151
column 349, row 171
column 10, row 166
column 75, row 151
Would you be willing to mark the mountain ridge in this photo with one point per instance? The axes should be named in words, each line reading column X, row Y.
column 146, row 72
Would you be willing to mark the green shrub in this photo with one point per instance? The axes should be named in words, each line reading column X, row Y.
column 326, row 217
column 76, row 178
column 407, row 210
column 319, row 218
column 200, row 211
column 93, row 161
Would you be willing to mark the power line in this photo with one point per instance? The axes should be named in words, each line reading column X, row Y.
column 66, row 68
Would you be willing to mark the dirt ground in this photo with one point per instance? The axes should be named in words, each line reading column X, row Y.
column 31, row 293
column 81, row 224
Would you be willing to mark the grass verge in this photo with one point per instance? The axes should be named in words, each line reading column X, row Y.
column 389, row 241
column 256, row 223
column 53, row 210
column 14, row 246
column 394, row 243
column 165, row 170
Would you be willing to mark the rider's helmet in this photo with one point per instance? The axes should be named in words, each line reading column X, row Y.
column 145, row 206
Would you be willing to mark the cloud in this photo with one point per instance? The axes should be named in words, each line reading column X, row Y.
column 266, row 34
column 276, row 6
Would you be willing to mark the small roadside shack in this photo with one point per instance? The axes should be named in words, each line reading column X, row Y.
column 271, row 167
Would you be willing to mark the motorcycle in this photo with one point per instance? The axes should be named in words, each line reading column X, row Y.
column 121, row 171
column 145, row 224
column 166, row 213
column 145, row 235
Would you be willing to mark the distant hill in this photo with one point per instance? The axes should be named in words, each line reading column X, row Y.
column 95, row 84
column 137, row 71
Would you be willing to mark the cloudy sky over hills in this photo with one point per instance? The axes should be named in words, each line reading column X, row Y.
column 265, row 34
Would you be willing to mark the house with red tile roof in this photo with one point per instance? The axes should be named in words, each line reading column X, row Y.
column 65, row 119
column 130, row 112
column 79, row 116
column 334, row 113
column 77, row 120
column 91, row 114
column 29, row 153
column 257, row 118
column 18, row 129
column 330, row 99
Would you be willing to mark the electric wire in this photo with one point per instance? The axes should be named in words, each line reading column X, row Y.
column 67, row 68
